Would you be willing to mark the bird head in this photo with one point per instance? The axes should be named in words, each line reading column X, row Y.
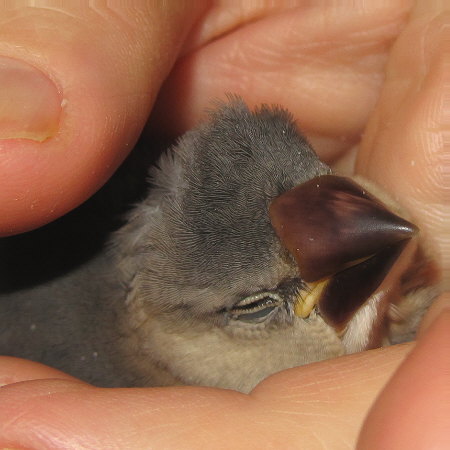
column 248, row 256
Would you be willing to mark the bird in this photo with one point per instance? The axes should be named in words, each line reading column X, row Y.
column 246, row 256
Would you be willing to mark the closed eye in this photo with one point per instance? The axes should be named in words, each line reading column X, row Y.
column 256, row 308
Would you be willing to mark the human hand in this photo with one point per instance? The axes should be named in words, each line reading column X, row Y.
column 83, row 81
column 324, row 404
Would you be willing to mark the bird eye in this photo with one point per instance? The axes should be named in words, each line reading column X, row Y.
column 256, row 308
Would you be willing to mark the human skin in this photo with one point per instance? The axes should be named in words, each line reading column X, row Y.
column 378, row 71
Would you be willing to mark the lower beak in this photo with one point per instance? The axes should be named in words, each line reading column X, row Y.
column 308, row 298
column 345, row 243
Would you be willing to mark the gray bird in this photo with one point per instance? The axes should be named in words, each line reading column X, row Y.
column 246, row 257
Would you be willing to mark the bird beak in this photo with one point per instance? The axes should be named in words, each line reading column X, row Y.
column 344, row 240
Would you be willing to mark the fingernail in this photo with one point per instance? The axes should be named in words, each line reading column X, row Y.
column 12, row 448
column 30, row 103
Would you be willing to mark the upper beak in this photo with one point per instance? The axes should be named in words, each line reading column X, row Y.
column 344, row 241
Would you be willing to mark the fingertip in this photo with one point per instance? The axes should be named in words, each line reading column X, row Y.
column 73, row 115
column 14, row 370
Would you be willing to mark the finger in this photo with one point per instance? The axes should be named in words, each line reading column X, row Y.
column 405, row 146
column 289, row 410
column 13, row 370
column 413, row 409
column 324, row 63
column 77, row 86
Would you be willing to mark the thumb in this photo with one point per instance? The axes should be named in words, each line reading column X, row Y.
column 77, row 84
column 413, row 409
